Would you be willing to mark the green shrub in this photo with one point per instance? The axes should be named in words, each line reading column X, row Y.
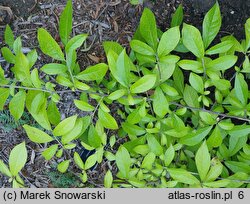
column 182, row 122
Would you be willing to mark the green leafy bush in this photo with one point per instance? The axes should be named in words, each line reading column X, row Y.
column 182, row 122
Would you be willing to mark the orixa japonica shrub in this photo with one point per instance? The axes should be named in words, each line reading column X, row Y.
column 182, row 122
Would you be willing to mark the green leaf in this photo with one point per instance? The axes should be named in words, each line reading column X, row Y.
column 54, row 68
column 4, row 169
column 78, row 160
column 191, row 97
column 237, row 167
column 222, row 47
column 74, row 133
column 63, row 166
column 123, row 161
column 148, row 161
column 93, row 137
column 160, row 103
column 195, row 137
column 169, row 41
column 65, row 23
column 202, row 161
column 215, row 170
column 241, row 88
column 122, row 69
column 211, row 25
column 169, row 155
column 154, row 145
column 9, row 36
column 91, row 161
column 143, row 84
column 53, row 113
column 217, row 184
column 75, row 42
column 192, row 65
column 192, row 40
column 96, row 72
column 65, row 126
column 50, row 152
column 142, row 48
column 222, row 63
column 107, row 120
column 17, row 46
column 196, row 82
column 108, row 179
column 114, row 46
column 183, row 176
column 215, row 139
column 247, row 33
column 239, row 130
column 16, row 105
column 35, row 78
column 84, row 106
column 49, row 46
column 36, row 135
column 8, row 55
column 177, row 17
column 18, row 158
column 148, row 28
column 117, row 94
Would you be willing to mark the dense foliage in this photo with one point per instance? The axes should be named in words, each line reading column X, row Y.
column 173, row 112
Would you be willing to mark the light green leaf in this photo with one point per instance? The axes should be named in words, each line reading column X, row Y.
column 192, row 40
column 148, row 161
column 191, row 97
column 75, row 42
column 183, row 176
column 8, row 55
column 4, row 169
column 65, row 23
column 84, row 106
column 222, row 63
column 50, row 152
column 114, row 46
column 36, row 81
column 211, row 25
column 108, row 179
column 217, row 184
column 54, row 68
column 123, row 161
column 177, row 17
column 195, row 137
column 238, row 166
column 9, row 36
column 36, row 135
column 215, row 170
column 78, row 160
column 143, row 84
column 196, row 82
column 160, row 103
column 74, row 133
column 107, row 120
column 142, row 48
column 117, row 94
column 215, row 139
column 91, row 161
column 241, row 88
column 154, row 145
column 121, row 70
column 16, row 104
column 192, row 65
column 247, row 33
column 202, row 161
column 148, row 28
column 94, row 138
column 63, row 166
column 169, row 41
column 169, row 155
column 4, row 94
column 18, row 158
column 49, row 46
column 96, row 72
column 65, row 126
column 53, row 113
column 220, row 48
